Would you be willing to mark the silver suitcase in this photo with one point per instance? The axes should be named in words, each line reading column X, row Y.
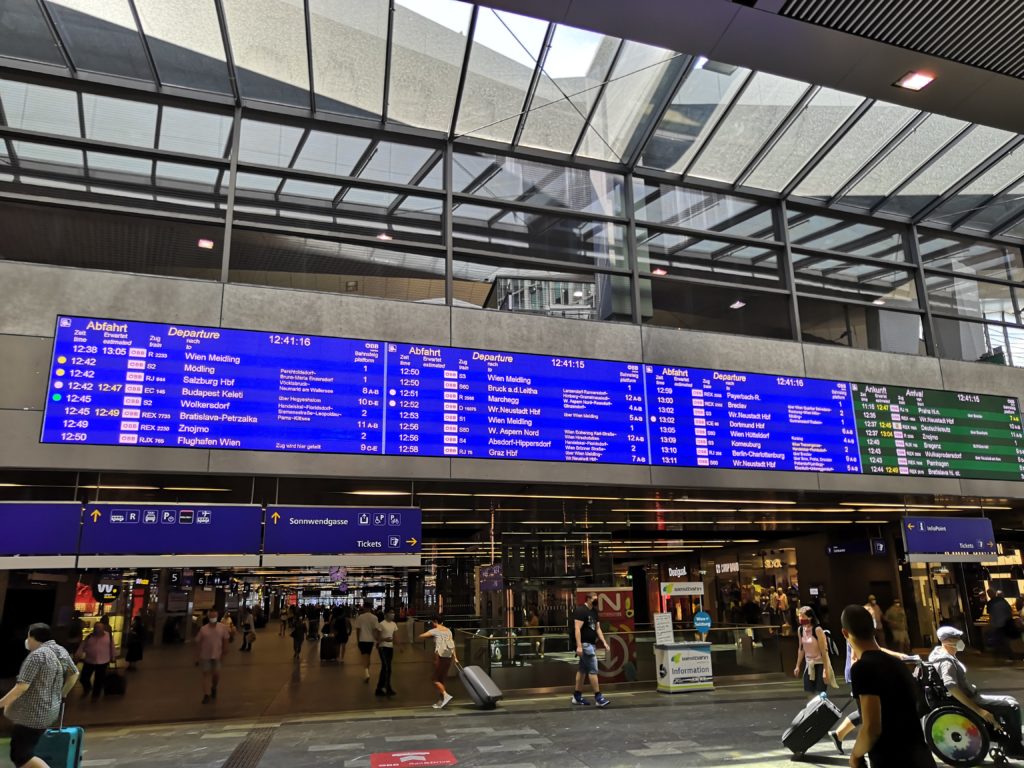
column 481, row 689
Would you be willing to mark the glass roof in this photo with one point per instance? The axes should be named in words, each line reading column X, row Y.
column 450, row 69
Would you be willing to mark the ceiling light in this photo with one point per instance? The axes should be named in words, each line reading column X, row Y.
column 914, row 81
column 122, row 487
column 577, row 294
column 738, row 304
column 730, row 501
column 441, row 493
column 205, row 244
column 542, row 496
column 385, row 236
column 878, row 302
column 187, row 488
column 448, row 509
column 374, row 493
column 659, row 271
column 700, row 62
column 13, row 485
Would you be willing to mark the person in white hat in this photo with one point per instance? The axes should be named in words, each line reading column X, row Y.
column 1001, row 712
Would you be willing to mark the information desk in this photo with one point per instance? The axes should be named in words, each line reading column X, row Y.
column 683, row 667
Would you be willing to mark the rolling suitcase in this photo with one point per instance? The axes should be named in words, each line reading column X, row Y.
column 61, row 747
column 115, row 684
column 328, row 648
column 811, row 724
column 481, row 689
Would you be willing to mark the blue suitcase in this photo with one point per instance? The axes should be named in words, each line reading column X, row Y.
column 61, row 747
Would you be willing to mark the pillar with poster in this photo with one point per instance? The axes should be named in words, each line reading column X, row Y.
column 615, row 611
column 684, row 666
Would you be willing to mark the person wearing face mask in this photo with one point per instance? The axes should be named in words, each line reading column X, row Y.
column 211, row 645
column 46, row 676
column 813, row 654
column 586, row 625
column 1001, row 712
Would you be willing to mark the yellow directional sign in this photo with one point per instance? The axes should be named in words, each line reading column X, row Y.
column 96, row 515
column 275, row 517
column 411, row 542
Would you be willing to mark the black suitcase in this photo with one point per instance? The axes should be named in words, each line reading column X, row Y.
column 115, row 684
column 328, row 648
column 481, row 689
column 811, row 725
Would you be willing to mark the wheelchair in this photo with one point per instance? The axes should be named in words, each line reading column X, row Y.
column 956, row 735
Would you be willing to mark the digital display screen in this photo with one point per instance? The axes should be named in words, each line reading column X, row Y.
column 150, row 384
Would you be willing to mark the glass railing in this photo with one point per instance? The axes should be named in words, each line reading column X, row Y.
column 545, row 657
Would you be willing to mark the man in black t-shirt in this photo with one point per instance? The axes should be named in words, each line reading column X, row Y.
column 886, row 694
column 586, row 628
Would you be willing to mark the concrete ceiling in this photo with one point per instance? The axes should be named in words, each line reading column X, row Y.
column 758, row 38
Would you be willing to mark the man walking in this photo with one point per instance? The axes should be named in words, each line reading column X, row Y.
column 587, row 632
column 211, row 645
column 872, row 607
column 365, row 626
column 896, row 618
column 886, row 696
column 387, row 640
column 47, row 675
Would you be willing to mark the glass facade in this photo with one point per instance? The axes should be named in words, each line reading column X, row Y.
column 437, row 151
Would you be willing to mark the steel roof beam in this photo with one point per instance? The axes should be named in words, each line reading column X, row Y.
column 588, row 119
column 659, row 112
column 534, row 81
column 464, row 72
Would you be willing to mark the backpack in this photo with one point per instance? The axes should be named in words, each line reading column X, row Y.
column 830, row 644
column 448, row 649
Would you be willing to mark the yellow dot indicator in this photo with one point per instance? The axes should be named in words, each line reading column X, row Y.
column 62, row 359
column 60, row 371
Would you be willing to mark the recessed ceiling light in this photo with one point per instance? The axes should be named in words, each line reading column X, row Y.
column 914, row 81
column 700, row 62
column 205, row 244
column 577, row 294
column 195, row 488
column 738, row 304
column 121, row 487
column 659, row 271
column 385, row 236
column 374, row 493
column 878, row 302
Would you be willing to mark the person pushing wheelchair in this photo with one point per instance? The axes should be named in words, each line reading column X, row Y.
column 1001, row 712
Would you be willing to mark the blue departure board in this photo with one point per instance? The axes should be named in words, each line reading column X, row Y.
column 155, row 384
column 704, row 418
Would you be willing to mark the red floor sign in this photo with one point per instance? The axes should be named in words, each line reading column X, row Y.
column 412, row 758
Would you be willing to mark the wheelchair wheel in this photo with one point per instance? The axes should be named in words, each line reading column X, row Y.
column 956, row 736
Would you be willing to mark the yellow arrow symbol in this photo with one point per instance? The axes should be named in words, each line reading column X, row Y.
column 275, row 517
column 96, row 515
column 910, row 526
column 411, row 542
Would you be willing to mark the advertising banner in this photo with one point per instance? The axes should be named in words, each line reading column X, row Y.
column 682, row 588
column 616, row 611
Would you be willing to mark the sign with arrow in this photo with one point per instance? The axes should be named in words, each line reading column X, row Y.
column 342, row 530
column 949, row 539
column 171, row 529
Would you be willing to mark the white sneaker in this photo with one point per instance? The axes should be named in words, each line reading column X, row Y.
column 436, row 705
column 444, row 702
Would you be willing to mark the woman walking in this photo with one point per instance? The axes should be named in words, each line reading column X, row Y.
column 813, row 654
column 444, row 655
column 134, row 642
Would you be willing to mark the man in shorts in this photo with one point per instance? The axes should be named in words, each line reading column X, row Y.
column 587, row 632
column 211, row 645
column 47, row 675
column 365, row 626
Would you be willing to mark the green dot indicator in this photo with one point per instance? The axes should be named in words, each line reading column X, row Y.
column 57, row 397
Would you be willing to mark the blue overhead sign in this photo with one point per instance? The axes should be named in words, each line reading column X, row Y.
column 39, row 528
column 342, row 530
column 171, row 529
column 949, row 539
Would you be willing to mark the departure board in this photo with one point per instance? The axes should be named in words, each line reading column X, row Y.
column 705, row 418
column 930, row 432
column 151, row 384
